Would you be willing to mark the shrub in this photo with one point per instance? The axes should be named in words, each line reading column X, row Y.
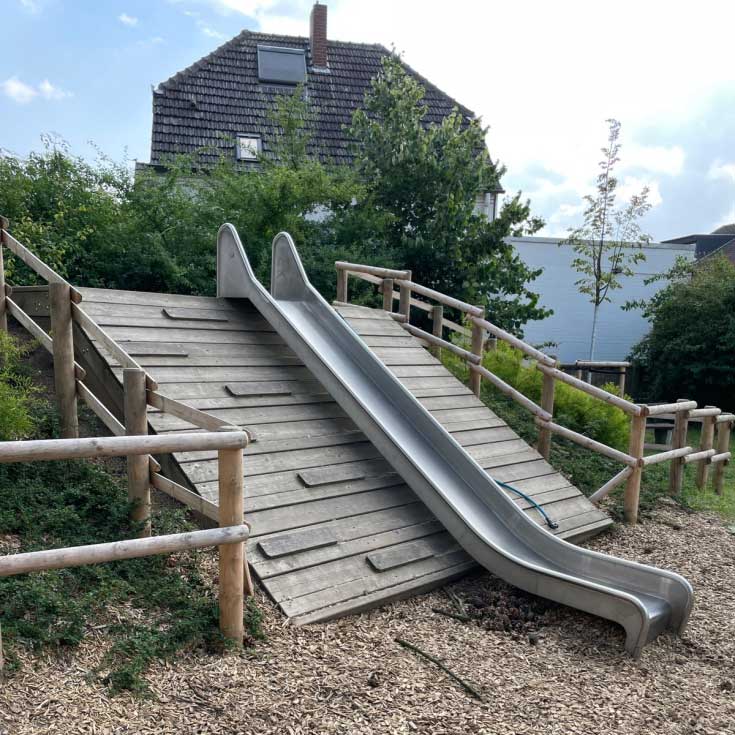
column 17, row 391
column 572, row 408
column 688, row 352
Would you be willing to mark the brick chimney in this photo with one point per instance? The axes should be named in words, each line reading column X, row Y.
column 318, row 35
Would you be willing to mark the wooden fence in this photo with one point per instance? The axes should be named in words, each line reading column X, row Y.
column 482, row 334
column 129, row 439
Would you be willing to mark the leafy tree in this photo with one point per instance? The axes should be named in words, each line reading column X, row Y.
column 608, row 243
column 688, row 351
column 424, row 179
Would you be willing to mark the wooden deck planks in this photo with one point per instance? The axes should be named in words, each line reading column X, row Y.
column 316, row 489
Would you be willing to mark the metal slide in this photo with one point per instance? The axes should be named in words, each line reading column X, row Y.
column 470, row 505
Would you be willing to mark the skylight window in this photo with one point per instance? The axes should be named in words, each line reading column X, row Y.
column 248, row 147
column 281, row 65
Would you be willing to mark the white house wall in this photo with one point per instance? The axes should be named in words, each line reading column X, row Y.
column 571, row 324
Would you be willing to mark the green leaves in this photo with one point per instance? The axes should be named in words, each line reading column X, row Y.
column 689, row 349
column 424, row 179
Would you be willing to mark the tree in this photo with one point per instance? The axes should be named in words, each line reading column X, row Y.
column 609, row 242
column 424, row 178
column 688, row 351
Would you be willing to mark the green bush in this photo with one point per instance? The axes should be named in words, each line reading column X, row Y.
column 689, row 350
column 572, row 408
column 17, row 391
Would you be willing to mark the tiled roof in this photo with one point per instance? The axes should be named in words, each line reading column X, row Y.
column 220, row 97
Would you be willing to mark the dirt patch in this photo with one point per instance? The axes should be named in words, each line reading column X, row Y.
column 542, row 669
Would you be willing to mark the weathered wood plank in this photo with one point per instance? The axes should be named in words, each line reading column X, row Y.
column 187, row 314
column 330, row 475
column 408, row 553
column 145, row 298
column 297, row 542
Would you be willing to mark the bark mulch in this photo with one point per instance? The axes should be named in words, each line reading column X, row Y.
column 539, row 667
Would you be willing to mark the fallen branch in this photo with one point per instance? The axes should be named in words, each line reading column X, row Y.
column 450, row 614
column 467, row 687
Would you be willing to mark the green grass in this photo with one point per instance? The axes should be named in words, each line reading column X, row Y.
column 589, row 471
column 47, row 505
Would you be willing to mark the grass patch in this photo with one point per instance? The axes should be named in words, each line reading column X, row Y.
column 589, row 471
column 166, row 604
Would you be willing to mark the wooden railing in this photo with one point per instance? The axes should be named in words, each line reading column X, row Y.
column 130, row 438
column 483, row 333
column 229, row 537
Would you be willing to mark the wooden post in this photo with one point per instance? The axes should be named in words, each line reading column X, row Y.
column 404, row 304
column 723, row 445
column 387, row 288
column 621, row 381
column 678, row 440
column 4, row 224
column 706, row 442
column 342, row 285
column 547, row 403
column 65, row 379
column 478, row 347
column 232, row 562
column 633, row 483
column 437, row 328
column 136, row 423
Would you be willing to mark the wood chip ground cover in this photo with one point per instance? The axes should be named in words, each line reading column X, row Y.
column 541, row 668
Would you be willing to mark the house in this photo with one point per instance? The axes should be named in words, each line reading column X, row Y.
column 570, row 326
column 719, row 242
column 222, row 105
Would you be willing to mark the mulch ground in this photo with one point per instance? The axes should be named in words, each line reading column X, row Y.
column 541, row 668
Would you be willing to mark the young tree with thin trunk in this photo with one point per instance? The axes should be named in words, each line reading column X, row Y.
column 609, row 242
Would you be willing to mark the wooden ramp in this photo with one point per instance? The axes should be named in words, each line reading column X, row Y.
column 334, row 529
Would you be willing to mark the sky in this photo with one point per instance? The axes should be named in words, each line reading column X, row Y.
column 543, row 75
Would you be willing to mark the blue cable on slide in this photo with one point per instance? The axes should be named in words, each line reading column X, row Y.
column 551, row 524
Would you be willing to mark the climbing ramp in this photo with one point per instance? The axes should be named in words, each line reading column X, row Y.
column 334, row 529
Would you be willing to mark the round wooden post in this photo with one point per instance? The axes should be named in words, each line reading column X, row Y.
column 65, row 379
column 232, row 571
column 547, row 403
column 478, row 347
column 136, row 422
column 342, row 285
column 387, row 294
column 633, row 483
column 404, row 303
column 678, row 440
column 706, row 442
column 4, row 224
column 723, row 445
column 621, row 381
column 437, row 319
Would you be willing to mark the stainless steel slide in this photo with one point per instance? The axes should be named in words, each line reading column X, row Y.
column 471, row 506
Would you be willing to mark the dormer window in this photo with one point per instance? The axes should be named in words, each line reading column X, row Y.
column 280, row 65
column 248, row 147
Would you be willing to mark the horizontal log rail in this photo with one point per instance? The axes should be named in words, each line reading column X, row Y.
column 513, row 341
column 119, row 446
column 657, row 409
column 439, row 342
column 589, row 443
column 630, row 408
column 371, row 270
column 511, row 392
column 652, row 459
column 77, row 556
column 191, row 415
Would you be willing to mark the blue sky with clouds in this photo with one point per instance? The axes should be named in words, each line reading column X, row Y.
column 544, row 76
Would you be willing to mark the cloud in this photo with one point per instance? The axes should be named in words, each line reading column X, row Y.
column 23, row 93
column 50, row 92
column 127, row 20
column 720, row 170
column 207, row 31
column 631, row 185
column 31, row 6
column 659, row 159
column 18, row 91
